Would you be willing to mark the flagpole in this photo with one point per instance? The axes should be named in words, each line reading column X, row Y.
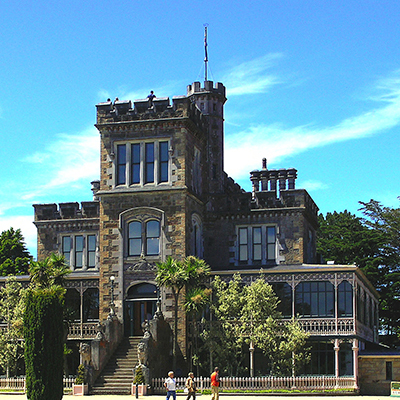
column 205, row 53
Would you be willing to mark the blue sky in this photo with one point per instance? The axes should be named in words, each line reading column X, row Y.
column 313, row 85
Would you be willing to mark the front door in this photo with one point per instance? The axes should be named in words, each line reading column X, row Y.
column 140, row 305
column 136, row 312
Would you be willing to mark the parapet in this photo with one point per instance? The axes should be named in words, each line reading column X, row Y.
column 72, row 210
column 144, row 109
column 209, row 87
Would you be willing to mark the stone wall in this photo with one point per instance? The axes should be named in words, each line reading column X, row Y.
column 372, row 374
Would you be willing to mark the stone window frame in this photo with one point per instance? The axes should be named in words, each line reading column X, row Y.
column 125, row 167
column 249, row 245
column 142, row 215
column 71, row 260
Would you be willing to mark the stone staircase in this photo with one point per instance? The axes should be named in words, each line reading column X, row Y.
column 117, row 375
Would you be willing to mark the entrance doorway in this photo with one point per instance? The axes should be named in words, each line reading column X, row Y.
column 140, row 305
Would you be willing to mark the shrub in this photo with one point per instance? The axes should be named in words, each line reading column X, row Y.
column 44, row 346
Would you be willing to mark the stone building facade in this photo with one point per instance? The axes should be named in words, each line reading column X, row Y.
column 163, row 192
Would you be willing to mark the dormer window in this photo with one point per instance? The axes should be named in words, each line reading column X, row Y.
column 142, row 163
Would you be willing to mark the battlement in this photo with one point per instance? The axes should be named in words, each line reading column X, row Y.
column 209, row 87
column 49, row 212
column 144, row 109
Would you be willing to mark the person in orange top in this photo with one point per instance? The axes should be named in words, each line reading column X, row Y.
column 215, row 384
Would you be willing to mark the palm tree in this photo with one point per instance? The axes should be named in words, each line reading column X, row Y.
column 51, row 271
column 177, row 275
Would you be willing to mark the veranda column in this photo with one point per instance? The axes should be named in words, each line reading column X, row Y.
column 336, row 348
column 355, row 362
column 251, row 350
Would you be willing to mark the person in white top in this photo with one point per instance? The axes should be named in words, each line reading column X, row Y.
column 170, row 385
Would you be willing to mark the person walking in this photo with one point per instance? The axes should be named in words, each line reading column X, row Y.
column 191, row 386
column 170, row 385
column 215, row 384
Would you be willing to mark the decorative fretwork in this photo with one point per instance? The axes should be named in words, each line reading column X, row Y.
column 82, row 285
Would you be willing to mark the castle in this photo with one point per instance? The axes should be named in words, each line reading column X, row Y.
column 163, row 192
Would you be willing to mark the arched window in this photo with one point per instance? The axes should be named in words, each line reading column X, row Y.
column 144, row 238
column 345, row 299
column 197, row 236
column 315, row 299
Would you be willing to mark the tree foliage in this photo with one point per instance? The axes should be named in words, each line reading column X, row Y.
column 248, row 314
column 12, row 297
column 176, row 275
column 386, row 222
column 373, row 244
column 14, row 257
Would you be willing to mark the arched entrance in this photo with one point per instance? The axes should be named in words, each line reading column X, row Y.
column 140, row 305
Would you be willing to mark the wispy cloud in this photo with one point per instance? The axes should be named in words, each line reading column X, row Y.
column 252, row 76
column 67, row 160
column 276, row 141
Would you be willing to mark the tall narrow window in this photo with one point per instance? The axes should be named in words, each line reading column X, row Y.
column 66, row 249
column 345, row 299
column 243, row 252
column 121, row 164
column 257, row 244
column 271, row 239
column 91, row 251
column 135, row 158
column 152, row 238
column 389, row 370
column 149, row 162
column 163, row 162
column 135, row 238
column 78, row 251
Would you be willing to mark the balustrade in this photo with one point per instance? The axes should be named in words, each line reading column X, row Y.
column 87, row 330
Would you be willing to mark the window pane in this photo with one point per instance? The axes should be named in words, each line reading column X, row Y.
column 271, row 239
column 257, row 248
column 135, row 238
column 163, row 162
column 91, row 251
column 121, row 164
column 135, row 158
column 243, row 253
column 66, row 249
column 149, row 162
column 78, row 251
column 90, row 304
column 152, row 238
